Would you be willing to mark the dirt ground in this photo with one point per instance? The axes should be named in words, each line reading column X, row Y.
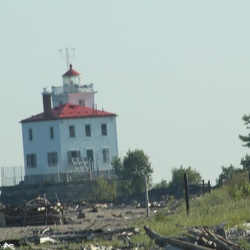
column 104, row 218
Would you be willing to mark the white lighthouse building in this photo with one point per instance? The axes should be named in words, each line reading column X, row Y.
column 71, row 139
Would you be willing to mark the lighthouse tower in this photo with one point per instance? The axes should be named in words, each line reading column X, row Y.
column 73, row 91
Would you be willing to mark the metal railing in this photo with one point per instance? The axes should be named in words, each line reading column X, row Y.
column 11, row 176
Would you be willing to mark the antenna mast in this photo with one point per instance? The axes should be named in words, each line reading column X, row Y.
column 67, row 55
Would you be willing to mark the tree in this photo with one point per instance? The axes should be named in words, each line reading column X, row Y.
column 245, row 162
column 226, row 174
column 162, row 184
column 194, row 177
column 246, row 139
column 103, row 191
column 131, row 170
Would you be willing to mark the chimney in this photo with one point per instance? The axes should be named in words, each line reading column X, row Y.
column 47, row 104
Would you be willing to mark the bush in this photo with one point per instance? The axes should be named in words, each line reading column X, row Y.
column 238, row 186
column 103, row 190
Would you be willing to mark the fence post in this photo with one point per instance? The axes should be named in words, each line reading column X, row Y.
column 186, row 192
column 203, row 187
column 146, row 196
column 209, row 187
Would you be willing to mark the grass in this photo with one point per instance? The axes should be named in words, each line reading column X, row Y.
column 228, row 204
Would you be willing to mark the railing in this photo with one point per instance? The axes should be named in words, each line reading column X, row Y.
column 72, row 88
column 11, row 176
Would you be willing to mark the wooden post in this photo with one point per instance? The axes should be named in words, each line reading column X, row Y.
column 209, row 187
column 203, row 187
column 186, row 192
column 146, row 196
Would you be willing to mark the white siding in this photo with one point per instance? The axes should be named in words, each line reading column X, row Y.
column 62, row 143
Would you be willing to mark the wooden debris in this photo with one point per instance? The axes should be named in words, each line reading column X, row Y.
column 197, row 239
column 48, row 235
column 120, row 215
column 38, row 211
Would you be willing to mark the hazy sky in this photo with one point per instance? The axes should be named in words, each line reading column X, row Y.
column 177, row 73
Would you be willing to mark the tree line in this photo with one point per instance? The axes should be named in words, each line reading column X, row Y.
column 135, row 165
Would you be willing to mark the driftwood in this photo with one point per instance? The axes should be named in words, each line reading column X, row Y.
column 38, row 211
column 47, row 235
column 196, row 239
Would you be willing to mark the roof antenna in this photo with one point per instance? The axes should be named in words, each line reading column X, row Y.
column 67, row 55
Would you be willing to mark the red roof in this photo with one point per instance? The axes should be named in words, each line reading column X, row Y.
column 68, row 111
column 71, row 72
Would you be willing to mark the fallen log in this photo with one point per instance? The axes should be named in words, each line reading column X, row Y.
column 78, row 235
column 200, row 239
column 163, row 241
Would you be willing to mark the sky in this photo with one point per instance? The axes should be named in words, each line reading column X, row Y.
column 177, row 74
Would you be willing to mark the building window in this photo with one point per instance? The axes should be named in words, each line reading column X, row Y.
column 73, row 155
column 90, row 155
column 51, row 131
column 52, row 159
column 105, row 155
column 87, row 130
column 31, row 161
column 71, row 131
column 30, row 134
column 104, row 129
column 82, row 102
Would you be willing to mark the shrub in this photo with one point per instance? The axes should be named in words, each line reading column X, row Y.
column 103, row 190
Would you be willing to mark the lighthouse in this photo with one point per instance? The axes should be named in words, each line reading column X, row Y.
column 70, row 140
column 73, row 91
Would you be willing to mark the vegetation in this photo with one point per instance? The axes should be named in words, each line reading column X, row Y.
column 102, row 190
column 226, row 174
column 194, row 177
column 228, row 204
column 162, row 184
column 245, row 162
column 176, row 184
column 246, row 138
column 131, row 171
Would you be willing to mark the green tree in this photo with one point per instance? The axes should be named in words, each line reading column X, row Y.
column 131, row 170
column 162, row 184
column 226, row 174
column 194, row 177
column 103, row 190
column 246, row 138
column 245, row 162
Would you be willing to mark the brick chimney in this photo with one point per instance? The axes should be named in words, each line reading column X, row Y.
column 47, row 104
